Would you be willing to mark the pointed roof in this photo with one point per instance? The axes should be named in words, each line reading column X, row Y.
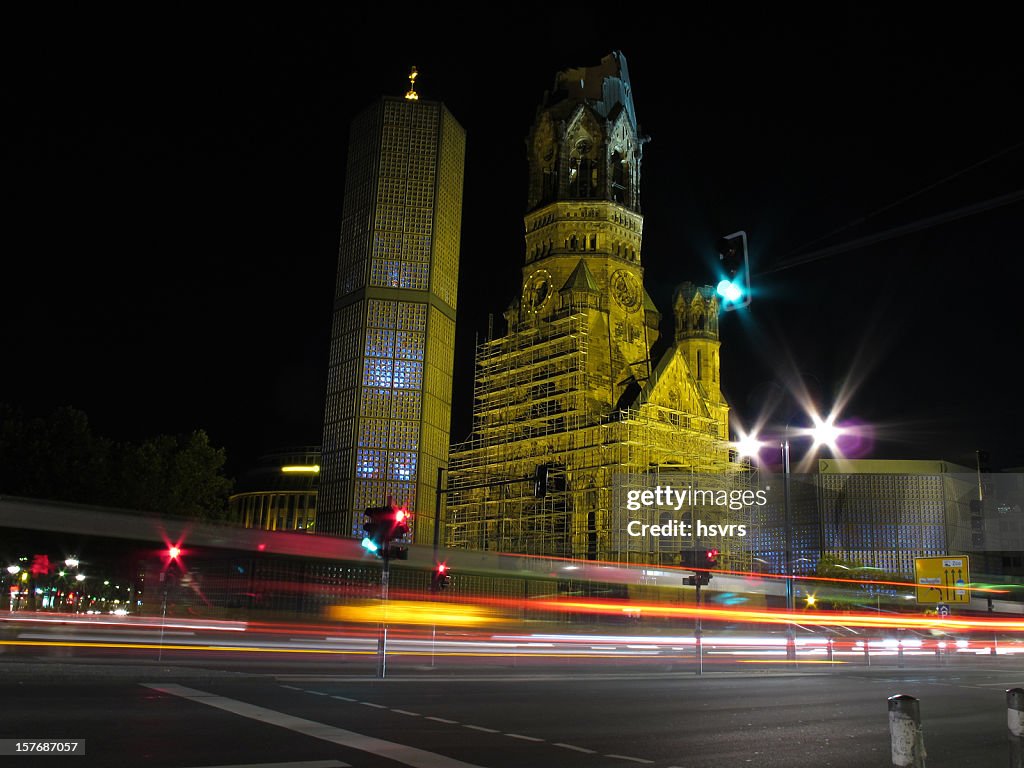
column 649, row 303
column 581, row 279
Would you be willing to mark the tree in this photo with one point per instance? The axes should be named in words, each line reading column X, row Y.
column 58, row 457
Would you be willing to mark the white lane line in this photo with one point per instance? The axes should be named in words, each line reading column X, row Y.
column 417, row 758
column 371, row 704
column 442, row 720
column 303, row 764
column 524, row 738
column 317, row 693
column 290, row 687
column 632, row 759
column 481, row 728
column 343, row 698
column 405, row 712
column 575, row 749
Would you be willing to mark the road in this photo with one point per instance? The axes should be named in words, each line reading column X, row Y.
column 169, row 716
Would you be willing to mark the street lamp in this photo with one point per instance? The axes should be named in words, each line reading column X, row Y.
column 824, row 433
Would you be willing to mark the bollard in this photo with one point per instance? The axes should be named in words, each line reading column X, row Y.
column 905, row 732
column 1015, row 724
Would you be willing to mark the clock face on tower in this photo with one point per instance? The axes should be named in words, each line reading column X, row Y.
column 625, row 289
column 537, row 290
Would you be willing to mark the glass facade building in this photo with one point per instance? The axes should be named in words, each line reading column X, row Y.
column 388, row 408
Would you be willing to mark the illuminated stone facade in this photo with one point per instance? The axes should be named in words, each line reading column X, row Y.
column 388, row 408
column 581, row 384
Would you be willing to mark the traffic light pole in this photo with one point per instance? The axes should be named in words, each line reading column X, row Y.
column 382, row 632
column 697, row 634
column 437, row 510
column 788, row 562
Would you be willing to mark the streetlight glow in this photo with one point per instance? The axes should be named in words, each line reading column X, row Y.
column 825, row 432
column 748, row 445
column 13, row 569
column 71, row 562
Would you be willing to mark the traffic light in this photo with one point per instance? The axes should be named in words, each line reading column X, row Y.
column 383, row 526
column 734, row 283
column 699, row 561
column 440, row 578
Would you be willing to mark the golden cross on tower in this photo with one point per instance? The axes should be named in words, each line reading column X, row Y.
column 411, row 94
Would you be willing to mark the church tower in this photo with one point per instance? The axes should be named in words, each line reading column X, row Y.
column 581, row 399
column 584, row 227
column 696, row 317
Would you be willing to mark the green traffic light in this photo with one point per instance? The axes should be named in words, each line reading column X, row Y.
column 729, row 291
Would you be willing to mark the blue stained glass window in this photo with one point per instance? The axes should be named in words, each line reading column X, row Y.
column 377, row 372
column 380, row 342
column 408, row 374
column 368, row 463
column 410, row 345
column 403, row 465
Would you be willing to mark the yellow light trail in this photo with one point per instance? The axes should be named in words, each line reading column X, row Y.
column 415, row 612
column 816, row 618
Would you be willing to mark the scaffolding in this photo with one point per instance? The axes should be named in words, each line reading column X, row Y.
column 535, row 407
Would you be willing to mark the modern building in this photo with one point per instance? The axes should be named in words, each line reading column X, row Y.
column 886, row 513
column 582, row 397
column 280, row 492
column 388, row 407
column 881, row 514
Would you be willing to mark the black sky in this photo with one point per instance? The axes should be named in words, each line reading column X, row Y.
column 174, row 188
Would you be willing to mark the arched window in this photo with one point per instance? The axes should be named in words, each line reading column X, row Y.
column 699, row 371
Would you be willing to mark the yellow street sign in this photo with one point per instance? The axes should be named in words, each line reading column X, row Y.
column 942, row 579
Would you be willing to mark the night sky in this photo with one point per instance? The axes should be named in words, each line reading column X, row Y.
column 173, row 193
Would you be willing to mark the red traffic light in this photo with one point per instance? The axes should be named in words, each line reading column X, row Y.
column 174, row 552
column 440, row 578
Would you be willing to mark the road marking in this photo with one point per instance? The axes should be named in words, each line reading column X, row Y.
column 481, row 728
column 371, row 704
column 520, row 736
column 418, row 758
column 344, row 698
column 291, row 687
column 576, row 749
column 442, row 720
column 632, row 759
column 405, row 712
column 304, row 764
column 317, row 693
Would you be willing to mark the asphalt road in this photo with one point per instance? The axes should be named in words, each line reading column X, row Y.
column 181, row 717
